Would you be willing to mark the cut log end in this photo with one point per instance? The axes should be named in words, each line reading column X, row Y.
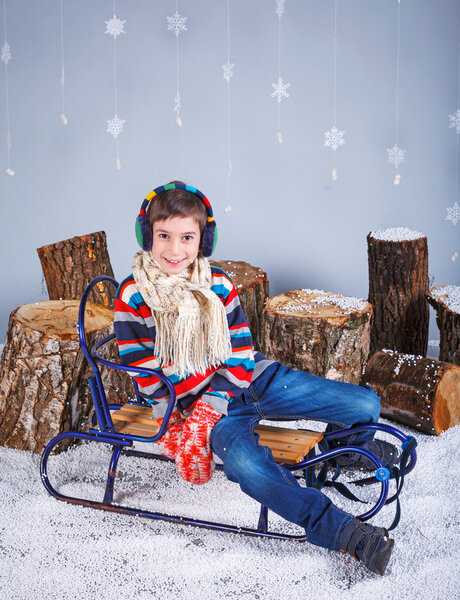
column 419, row 392
column 446, row 410
column 60, row 317
column 311, row 304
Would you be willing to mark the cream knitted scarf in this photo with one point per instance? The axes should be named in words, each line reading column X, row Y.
column 191, row 325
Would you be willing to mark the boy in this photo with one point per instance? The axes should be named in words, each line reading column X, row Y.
column 178, row 314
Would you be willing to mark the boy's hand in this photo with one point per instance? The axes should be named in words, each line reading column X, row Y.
column 168, row 445
column 194, row 460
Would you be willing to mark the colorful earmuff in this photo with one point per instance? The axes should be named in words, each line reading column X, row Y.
column 144, row 227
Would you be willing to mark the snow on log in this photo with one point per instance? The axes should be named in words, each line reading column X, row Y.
column 398, row 282
column 420, row 392
column 446, row 300
column 319, row 332
column 253, row 289
column 69, row 265
column 43, row 373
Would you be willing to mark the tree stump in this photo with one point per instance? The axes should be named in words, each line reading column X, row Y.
column 43, row 372
column 446, row 300
column 315, row 331
column 420, row 392
column 69, row 266
column 398, row 282
column 253, row 289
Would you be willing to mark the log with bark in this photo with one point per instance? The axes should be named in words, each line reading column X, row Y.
column 69, row 265
column 253, row 289
column 43, row 372
column 446, row 300
column 420, row 392
column 398, row 282
column 319, row 332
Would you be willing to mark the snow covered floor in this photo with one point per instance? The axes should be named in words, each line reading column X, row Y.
column 53, row 550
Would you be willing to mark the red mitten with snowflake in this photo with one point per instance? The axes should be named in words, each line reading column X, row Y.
column 194, row 460
column 168, row 445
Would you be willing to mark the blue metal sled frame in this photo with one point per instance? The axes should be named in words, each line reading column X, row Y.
column 122, row 444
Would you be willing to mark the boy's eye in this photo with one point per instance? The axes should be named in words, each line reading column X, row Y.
column 163, row 236
column 188, row 238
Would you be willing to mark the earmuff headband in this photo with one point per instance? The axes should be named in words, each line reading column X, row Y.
column 144, row 227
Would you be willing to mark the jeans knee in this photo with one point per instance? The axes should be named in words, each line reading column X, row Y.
column 370, row 405
column 242, row 464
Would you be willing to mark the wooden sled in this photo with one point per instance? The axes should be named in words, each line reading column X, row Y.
column 299, row 451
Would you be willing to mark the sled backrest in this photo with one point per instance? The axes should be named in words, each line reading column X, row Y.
column 101, row 406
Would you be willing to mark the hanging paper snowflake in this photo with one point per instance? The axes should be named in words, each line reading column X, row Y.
column 115, row 126
column 280, row 7
column 176, row 23
column 280, row 89
column 177, row 103
column 453, row 213
column 115, row 26
column 6, row 53
column 455, row 121
column 395, row 155
column 334, row 138
column 228, row 71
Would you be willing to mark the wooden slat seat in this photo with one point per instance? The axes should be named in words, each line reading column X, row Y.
column 288, row 446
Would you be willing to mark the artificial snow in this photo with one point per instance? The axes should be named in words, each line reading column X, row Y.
column 348, row 304
column 57, row 551
column 450, row 295
column 396, row 234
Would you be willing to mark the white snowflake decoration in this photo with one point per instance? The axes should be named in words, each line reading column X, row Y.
column 115, row 26
column 6, row 53
column 176, row 23
column 453, row 213
column 228, row 71
column 115, row 126
column 177, row 103
column 334, row 138
column 396, row 155
column 455, row 121
column 280, row 89
column 280, row 7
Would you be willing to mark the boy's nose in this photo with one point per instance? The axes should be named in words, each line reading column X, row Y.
column 175, row 246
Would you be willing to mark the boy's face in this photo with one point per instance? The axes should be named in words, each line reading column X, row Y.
column 176, row 242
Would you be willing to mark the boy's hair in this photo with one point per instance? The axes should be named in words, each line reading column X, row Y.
column 174, row 203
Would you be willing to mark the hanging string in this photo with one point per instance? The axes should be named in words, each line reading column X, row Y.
column 115, row 125
column 280, row 137
column 6, row 57
column 62, row 81
column 334, row 137
column 334, row 171
column 453, row 212
column 458, row 127
column 227, row 75
column 279, row 88
column 176, row 24
column 178, row 119
column 395, row 154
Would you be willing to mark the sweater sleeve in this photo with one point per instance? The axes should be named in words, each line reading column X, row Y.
column 135, row 333
column 235, row 374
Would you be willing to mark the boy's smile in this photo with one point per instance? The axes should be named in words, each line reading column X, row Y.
column 176, row 242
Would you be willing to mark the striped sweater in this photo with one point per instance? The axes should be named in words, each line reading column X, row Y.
column 135, row 332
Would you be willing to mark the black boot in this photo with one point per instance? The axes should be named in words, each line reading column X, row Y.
column 370, row 545
column 387, row 453
column 384, row 451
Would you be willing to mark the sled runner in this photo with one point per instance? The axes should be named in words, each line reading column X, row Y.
column 300, row 451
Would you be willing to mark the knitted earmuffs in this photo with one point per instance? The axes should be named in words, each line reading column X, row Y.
column 144, row 227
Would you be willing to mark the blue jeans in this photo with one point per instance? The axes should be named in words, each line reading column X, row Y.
column 281, row 393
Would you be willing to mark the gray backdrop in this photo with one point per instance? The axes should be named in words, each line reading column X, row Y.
column 287, row 216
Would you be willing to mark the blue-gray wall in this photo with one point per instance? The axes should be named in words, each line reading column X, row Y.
column 287, row 216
